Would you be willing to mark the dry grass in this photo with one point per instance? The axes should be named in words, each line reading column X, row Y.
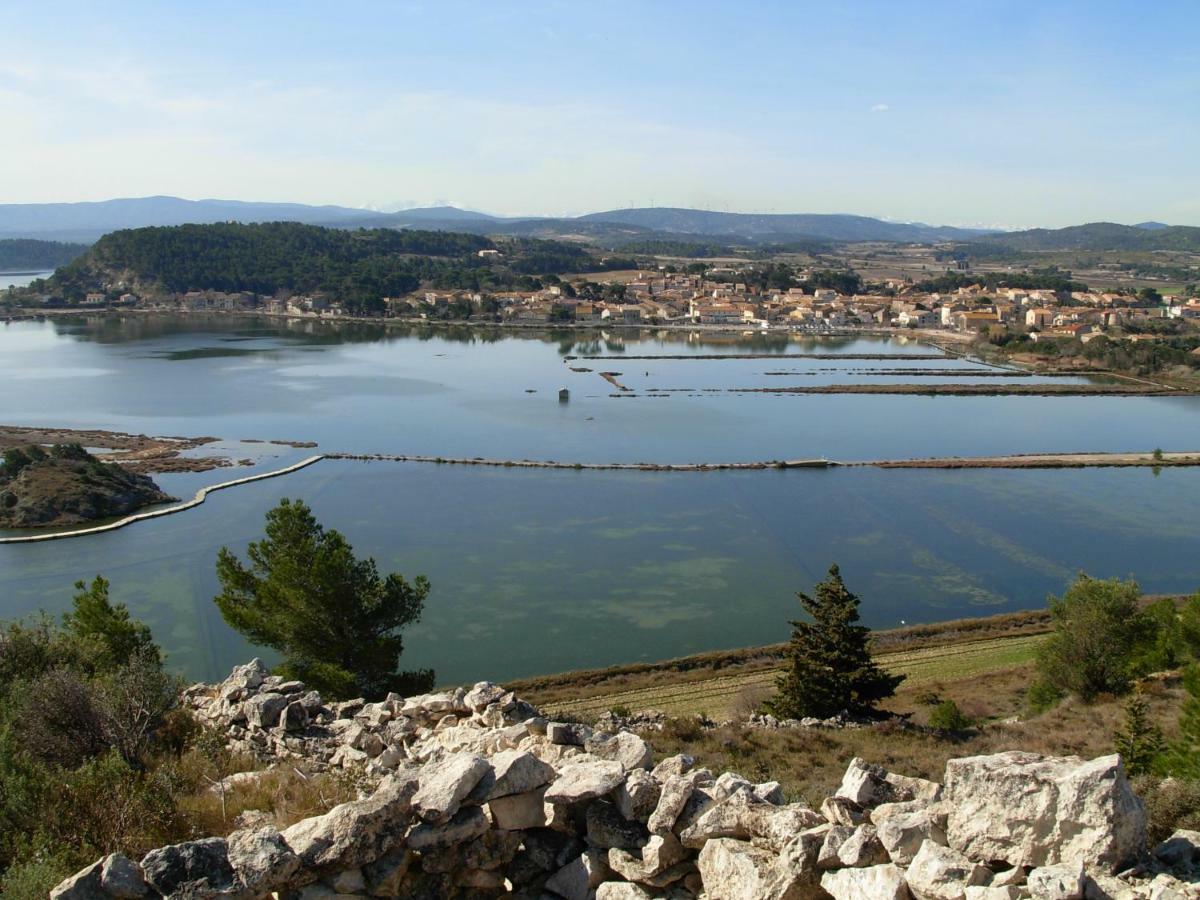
column 810, row 762
column 742, row 691
column 749, row 666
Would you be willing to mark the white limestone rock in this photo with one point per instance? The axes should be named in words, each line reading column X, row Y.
column 1033, row 810
column 939, row 873
column 870, row 785
column 585, row 780
column 444, row 785
column 882, row 882
column 1057, row 882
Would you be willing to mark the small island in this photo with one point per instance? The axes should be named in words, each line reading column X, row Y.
column 65, row 485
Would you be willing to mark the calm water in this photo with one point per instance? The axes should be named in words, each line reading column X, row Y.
column 536, row 571
column 20, row 279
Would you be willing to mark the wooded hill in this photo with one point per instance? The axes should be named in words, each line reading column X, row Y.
column 24, row 255
column 356, row 267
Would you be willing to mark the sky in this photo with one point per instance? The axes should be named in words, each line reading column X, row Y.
column 973, row 112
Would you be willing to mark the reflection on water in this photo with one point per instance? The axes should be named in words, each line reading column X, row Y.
column 535, row 571
column 460, row 391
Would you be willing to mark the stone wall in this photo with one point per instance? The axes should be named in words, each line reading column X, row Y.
column 473, row 794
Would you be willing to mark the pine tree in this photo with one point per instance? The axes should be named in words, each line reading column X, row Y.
column 117, row 637
column 1183, row 757
column 830, row 669
column 1140, row 741
column 334, row 619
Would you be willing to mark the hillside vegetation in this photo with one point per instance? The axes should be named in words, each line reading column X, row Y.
column 1094, row 236
column 66, row 485
column 357, row 267
column 23, row 255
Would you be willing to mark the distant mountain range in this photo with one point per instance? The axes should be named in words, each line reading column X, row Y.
column 613, row 228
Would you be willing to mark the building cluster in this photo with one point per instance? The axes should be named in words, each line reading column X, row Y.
column 718, row 298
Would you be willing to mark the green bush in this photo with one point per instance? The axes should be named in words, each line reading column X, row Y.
column 1171, row 803
column 946, row 716
column 1099, row 635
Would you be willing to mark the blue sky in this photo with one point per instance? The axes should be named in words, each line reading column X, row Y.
column 969, row 112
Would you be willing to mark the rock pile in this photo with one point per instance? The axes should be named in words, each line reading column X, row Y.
column 472, row 794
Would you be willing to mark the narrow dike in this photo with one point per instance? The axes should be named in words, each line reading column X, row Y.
column 199, row 498
column 1016, row 461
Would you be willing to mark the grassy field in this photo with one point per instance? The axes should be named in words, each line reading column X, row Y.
column 737, row 694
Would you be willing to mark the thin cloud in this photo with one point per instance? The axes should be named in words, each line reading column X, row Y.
column 880, row 107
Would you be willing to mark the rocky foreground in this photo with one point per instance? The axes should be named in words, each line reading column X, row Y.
column 473, row 794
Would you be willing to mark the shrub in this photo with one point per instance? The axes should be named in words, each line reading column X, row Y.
column 1098, row 633
column 946, row 716
column 1042, row 696
column 1171, row 803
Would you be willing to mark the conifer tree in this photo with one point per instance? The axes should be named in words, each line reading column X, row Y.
column 1183, row 757
column 1140, row 741
column 335, row 620
column 830, row 669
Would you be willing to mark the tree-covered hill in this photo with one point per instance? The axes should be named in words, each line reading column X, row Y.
column 1097, row 236
column 24, row 255
column 357, row 268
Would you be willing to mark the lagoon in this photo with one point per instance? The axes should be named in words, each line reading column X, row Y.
column 536, row 571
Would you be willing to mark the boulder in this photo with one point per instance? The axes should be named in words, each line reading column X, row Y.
column 121, row 877
column 386, row 874
column 939, row 873
column 357, row 832
column 585, row 780
column 469, row 822
column 842, row 811
column 622, row 890
column 624, row 747
column 676, row 791
column 445, row 784
column 860, row 849
column 870, row 785
column 1032, row 810
column 903, row 833
column 263, row 710
column 737, row 870
column 680, row 764
column 1182, row 848
column 579, row 878
column 882, row 882
column 607, row 828
column 517, row 812
column 261, row 860
column 659, row 854
column 294, row 717
column 771, row 791
column 192, row 868
column 992, row 892
column 512, row 772
column 348, row 881
column 83, row 885
column 1057, row 882
column 638, row 796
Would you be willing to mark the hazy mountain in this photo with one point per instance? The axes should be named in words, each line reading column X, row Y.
column 781, row 226
column 1101, row 236
column 88, row 221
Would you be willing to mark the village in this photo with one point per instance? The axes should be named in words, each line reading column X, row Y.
column 717, row 298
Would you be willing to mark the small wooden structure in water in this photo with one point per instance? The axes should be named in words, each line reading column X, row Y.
column 563, row 395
